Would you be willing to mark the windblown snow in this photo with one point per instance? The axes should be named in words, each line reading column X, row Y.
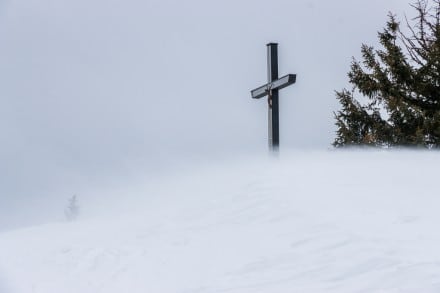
column 306, row 222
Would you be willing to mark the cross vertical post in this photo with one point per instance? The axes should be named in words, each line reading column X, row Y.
column 271, row 90
column 273, row 109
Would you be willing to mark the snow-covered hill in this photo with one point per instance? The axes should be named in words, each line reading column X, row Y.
column 307, row 222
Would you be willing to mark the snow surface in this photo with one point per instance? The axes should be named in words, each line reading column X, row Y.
column 307, row 222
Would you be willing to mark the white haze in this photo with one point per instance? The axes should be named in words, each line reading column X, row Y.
column 342, row 222
column 96, row 93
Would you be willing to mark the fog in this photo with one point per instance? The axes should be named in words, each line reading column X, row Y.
column 99, row 94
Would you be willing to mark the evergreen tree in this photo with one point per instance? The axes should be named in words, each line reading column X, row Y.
column 400, row 84
column 72, row 209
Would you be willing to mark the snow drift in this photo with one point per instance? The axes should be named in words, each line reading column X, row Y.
column 307, row 222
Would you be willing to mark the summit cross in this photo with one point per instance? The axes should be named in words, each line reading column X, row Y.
column 274, row 84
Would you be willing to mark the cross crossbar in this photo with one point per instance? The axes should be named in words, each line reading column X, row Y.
column 280, row 83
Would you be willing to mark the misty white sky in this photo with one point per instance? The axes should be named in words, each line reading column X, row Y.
column 93, row 91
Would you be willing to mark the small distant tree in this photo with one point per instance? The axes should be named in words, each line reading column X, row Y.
column 72, row 209
column 400, row 84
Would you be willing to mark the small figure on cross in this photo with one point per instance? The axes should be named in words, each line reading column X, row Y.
column 269, row 96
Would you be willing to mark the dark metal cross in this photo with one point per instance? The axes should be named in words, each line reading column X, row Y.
column 274, row 84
